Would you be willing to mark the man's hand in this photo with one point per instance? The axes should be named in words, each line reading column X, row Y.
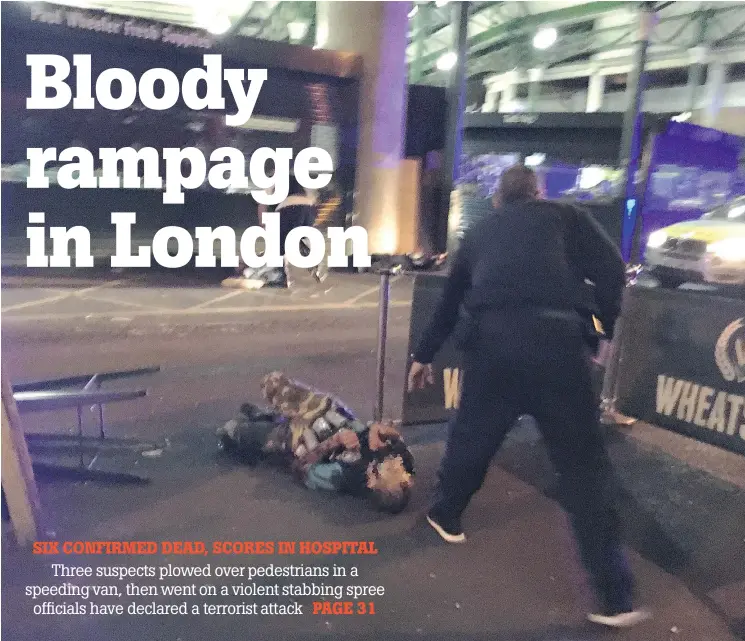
column 348, row 439
column 380, row 434
column 420, row 375
column 604, row 353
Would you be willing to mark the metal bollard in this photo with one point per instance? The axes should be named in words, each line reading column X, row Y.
column 385, row 291
column 608, row 396
column 610, row 415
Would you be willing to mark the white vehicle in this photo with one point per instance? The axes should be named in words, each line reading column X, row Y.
column 710, row 249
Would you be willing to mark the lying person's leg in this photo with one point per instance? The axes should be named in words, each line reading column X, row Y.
column 254, row 434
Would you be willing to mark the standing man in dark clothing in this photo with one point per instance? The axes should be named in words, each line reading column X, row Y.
column 519, row 278
column 297, row 210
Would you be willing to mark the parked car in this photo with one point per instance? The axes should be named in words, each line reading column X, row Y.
column 710, row 249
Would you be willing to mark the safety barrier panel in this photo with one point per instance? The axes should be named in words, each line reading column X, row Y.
column 435, row 403
column 682, row 363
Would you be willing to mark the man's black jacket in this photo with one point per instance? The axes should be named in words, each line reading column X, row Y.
column 532, row 254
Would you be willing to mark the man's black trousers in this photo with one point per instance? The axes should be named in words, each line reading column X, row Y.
column 523, row 362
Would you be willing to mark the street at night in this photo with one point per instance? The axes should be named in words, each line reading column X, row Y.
column 373, row 320
column 517, row 578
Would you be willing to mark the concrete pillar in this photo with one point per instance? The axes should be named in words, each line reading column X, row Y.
column 491, row 101
column 509, row 91
column 378, row 32
column 697, row 57
column 715, row 85
column 534, row 88
column 595, row 92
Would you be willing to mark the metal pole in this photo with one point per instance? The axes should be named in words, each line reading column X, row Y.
column 631, row 134
column 80, row 435
column 610, row 415
column 100, row 421
column 534, row 92
column 535, row 76
column 420, row 23
column 385, row 286
column 698, row 55
column 695, row 80
column 456, row 109
column 100, row 415
column 630, row 152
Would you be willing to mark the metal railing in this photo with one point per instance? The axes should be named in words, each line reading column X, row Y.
column 54, row 394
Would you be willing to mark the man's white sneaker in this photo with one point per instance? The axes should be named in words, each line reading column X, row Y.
column 450, row 532
column 620, row 620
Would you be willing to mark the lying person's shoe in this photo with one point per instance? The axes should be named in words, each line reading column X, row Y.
column 620, row 619
column 449, row 529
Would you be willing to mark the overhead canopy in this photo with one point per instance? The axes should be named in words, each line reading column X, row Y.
column 501, row 34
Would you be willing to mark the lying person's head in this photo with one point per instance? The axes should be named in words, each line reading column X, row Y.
column 389, row 476
column 389, row 483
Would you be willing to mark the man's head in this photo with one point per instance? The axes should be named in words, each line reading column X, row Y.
column 518, row 183
column 389, row 483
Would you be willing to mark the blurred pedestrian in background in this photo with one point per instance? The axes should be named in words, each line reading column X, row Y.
column 297, row 210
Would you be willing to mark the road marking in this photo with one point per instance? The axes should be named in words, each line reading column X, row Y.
column 33, row 303
column 129, row 303
column 93, row 461
column 369, row 291
column 219, row 299
column 87, row 290
column 58, row 297
column 204, row 311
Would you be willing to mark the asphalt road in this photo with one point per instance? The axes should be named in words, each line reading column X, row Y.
column 516, row 580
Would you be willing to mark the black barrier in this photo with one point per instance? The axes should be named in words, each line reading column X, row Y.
column 683, row 364
column 436, row 403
